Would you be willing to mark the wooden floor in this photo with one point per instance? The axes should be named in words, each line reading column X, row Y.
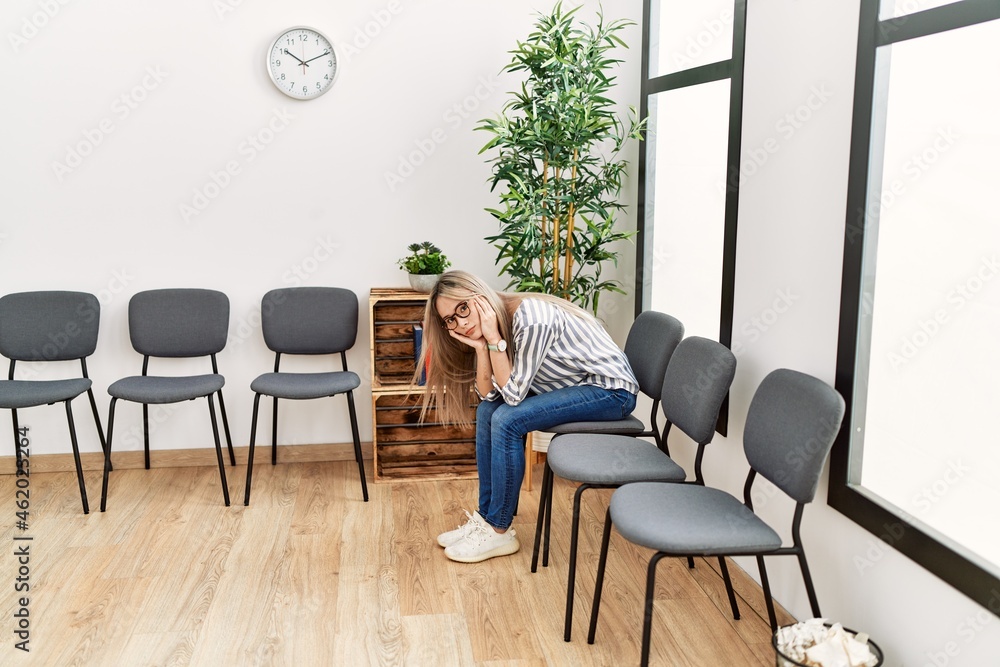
column 311, row 575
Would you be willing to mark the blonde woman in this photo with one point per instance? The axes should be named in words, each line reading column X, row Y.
column 535, row 361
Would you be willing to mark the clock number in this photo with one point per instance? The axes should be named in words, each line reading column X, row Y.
column 305, row 90
column 282, row 76
column 277, row 63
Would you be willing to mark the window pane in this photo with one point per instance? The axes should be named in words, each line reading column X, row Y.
column 933, row 266
column 687, row 153
column 689, row 34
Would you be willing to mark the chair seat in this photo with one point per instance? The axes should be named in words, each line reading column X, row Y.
column 154, row 389
column 610, row 459
column 628, row 426
column 305, row 385
column 29, row 393
column 687, row 519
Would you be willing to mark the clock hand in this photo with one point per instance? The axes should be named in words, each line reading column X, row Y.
column 325, row 53
column 296, row 57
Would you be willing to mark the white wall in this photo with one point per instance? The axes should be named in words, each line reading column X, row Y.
column 162, row 99
column 800, row 62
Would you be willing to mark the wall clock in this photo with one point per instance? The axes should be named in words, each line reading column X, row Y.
column 302, row 63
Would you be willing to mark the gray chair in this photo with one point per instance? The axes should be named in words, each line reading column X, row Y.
column 694, row 386
column 174, row 323
column 651, row 341
column 43, row 327
column 308, row 321
column 792, row 422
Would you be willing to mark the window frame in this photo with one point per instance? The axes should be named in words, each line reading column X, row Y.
column 944, row 558
column 731, row 69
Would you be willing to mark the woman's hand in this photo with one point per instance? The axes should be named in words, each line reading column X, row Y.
column 487, row 319
column 474, row 343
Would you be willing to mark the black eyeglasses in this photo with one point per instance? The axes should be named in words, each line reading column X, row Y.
column 462, row 310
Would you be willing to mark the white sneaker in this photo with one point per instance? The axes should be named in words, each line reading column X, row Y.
column 457, row 535
column 482, row 543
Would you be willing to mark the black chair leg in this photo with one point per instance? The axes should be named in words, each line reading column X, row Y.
column 647, row 616
column 97, row 421
column 729, row 588
column 253, row 438
column 357, row 444
column 599, row 585
column 274, row 432
column 218, row 449
column 76, row 458
column 766, row 586
column 17, row 438
column 145, row 432
column 548, row 515
column 540, row 522
column 810, row 591
column 107, row 455
column 225, row 427
column 574, row 537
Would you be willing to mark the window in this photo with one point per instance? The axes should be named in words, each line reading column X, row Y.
column 693, row 97
column 917, row 462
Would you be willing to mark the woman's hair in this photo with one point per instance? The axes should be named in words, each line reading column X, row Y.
column 450, row 364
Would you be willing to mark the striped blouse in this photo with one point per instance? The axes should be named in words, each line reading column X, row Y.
column 554, row 349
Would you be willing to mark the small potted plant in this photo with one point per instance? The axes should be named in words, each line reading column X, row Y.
column 424, row 264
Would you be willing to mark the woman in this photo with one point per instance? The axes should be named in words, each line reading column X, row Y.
column 535, row 361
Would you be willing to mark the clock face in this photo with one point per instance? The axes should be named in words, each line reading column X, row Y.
column 302, row 63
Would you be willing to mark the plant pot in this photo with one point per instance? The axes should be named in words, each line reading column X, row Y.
column 423, row 282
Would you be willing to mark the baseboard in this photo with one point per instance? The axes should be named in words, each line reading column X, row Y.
column 186, row 458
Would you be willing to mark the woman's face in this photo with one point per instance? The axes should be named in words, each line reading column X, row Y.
column 459, row 315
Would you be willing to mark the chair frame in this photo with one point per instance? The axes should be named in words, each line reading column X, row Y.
column 274, row 431
column 699, row 480
column 325, row 348
column 796, row 549
column 69, row 410
column 543, row 522
column 802, row 491
column 145, row 430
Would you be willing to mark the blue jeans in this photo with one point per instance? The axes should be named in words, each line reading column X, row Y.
column 501, row 430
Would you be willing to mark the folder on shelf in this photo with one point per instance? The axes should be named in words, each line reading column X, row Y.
column 418, row 343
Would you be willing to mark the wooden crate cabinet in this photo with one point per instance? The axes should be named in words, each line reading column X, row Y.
column 404, row 448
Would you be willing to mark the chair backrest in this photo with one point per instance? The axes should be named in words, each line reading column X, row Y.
column 49, row 326
column 651, row 342
column 792, row 422
column 180, row 322
column 309, row 320
column 696, row 382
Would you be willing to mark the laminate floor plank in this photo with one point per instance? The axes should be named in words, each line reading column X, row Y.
column 436, row 639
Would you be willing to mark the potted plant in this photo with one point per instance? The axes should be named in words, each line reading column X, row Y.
column 424, row 264
column 558, row 142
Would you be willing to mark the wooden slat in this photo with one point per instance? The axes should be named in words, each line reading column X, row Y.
column 399, row 312
column 394, row 367
column 391, row 434
column 430, row 453
column 393, row 331
column 395, row 348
